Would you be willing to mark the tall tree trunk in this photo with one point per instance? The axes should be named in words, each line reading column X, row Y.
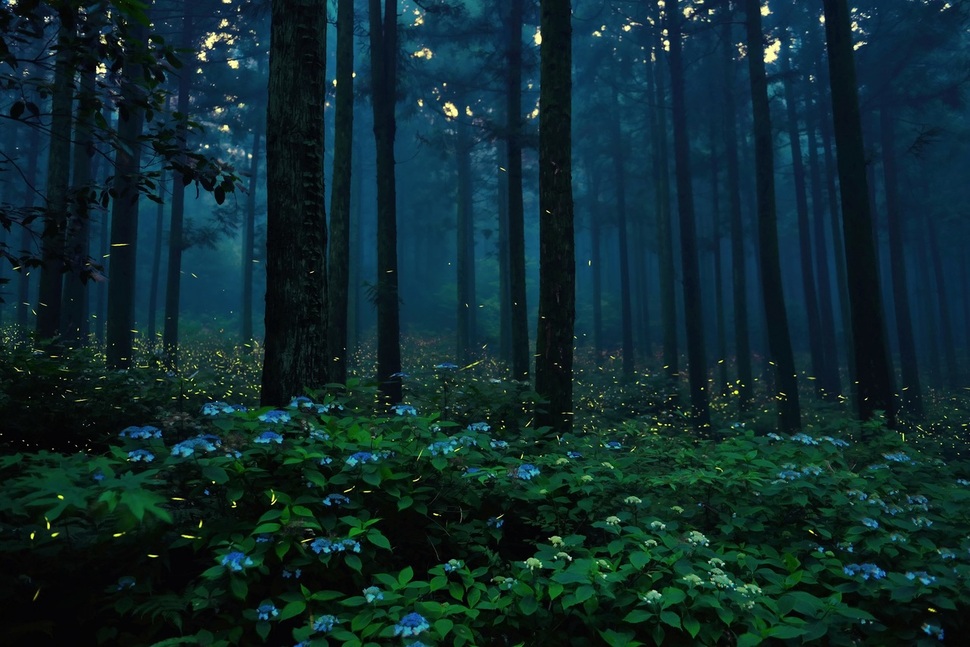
column 911, row 396
column 721, row 333
column 24, row 306
column 693, row 312
column 74, row 306
column 739, row 280
column 595, row 256
column 296, row 218
column 873, row 371
column 823, row 387
column 465, row 246
column 156, row 260
column 173, row 281
column 520, row 317
column 248, row 238
column 557, row 263
column 343, row 146
column 383, row 40
column 120, row 321
column 826, row 314
column 946, row 327
column 665, row 236
column 779, row 340
column 619, row 179
column 504, row 293
column 58, row 180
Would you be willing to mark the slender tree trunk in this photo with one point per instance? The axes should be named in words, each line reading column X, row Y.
column 823, row 387
column 296, row 221
column 120, row 321
column 58, row 181
column 721, row 333
column 465, row 246
column 248, row 238
column 24, row 306
column 340, row 192
column 873, row 371
column 383, row 38
column 946, row 326
column 693, row 311
column 595, row 257
column 665, row 237
column 826, row 314
column 557, row 263
column 911, row 396
column 619, row 178
column 779, row 341
column 504, row 296
column 176, row 244
column 157, row 259
column 739, row 280
column 520, row 317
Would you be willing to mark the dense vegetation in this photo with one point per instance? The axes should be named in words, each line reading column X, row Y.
column 449, row 520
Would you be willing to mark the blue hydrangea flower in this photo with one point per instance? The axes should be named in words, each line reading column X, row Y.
column 324, row 546
column 361, row 457
column 449, row 366
column 495, row 522
column 143, row 455
column 319, row 434
column 323, row 624
column 326, row 460
column 613, row 445
column 335, row 499
column 526, row 472
column 865, row 570
column 98, row 476
column 268, row 437
column 498, row 444
column 574, row 454
column 126, row 582
column 287, row 574
column 411, row 625
column 453, row 565
column 812, row 470
column 479, row 426
column 236, row 561
column 275, row 416
column 897, row 457
column 924, row 578
column 870, row 522
column 264, row 538
column 837, row 442
column 804, row 439
column 215, row 408
column 205, row 442
column 330, row 406
column 774, row 436
column 789, row 475
column 141, row 433
column 400, row 374
column 372, row 593
column 266, row 611
column 404, row 410
column 932, row 630
column 442, row 447
column 301, row 401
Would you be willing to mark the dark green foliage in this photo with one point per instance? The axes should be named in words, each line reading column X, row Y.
column 626, row 536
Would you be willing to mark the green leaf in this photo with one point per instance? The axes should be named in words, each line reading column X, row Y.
column 786, row 632
column 554, row 590
column 293, row 609
column 443, row 626
column 672, row 619
column 216, row 474
column 238, row 587
column 692, row 626
column 405, row 575
column 378, row 539
column 404, row 503
column 639, row 559
column 638, row 615
column 528, row 605
column 353, row 562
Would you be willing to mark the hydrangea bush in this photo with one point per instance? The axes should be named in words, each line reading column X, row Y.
column 316, row 525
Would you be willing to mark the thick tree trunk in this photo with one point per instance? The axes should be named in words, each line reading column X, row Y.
column 156, row 260
column 58, row 181
column 779, row 341
column 520, row 317
column 383, row 39
column 340, row 192
column 557, row 263
column 296, row 224
column 120, row 322
column 504, row 293
column 911, row 396
column 693, row 311
column 720, row 332
column 874, row 380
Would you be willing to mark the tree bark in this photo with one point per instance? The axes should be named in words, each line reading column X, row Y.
column 120, row 323
column 779, row 341
column 619, row 179
column 557, row 267
column 693, row 311
column 383, row 39
column 340, row 193
column 296, row 225
column 465, row 246
column 249, row 228
column 874, row 383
